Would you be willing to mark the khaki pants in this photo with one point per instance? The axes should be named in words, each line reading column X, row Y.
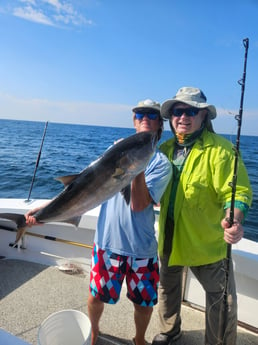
column 212, row 278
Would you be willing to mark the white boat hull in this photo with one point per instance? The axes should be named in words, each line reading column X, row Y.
column 51, row 243
column 245, row 261
column 69, row 244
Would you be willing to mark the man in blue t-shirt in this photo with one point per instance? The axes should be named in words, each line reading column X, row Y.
column 125, row 245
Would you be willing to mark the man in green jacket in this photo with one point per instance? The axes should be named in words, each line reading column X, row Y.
column 194, row 226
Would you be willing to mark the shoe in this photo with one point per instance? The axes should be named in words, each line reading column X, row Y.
column 133, row 342
column 165, row 339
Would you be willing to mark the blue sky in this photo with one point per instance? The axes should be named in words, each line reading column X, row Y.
column 90, row 61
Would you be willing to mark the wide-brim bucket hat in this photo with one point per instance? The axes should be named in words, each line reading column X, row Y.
column 148, row 105
column 191, row 96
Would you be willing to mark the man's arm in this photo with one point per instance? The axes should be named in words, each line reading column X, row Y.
column 140, row 196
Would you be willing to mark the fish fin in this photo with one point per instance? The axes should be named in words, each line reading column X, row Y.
column 66, row 180
column 74, row 221
column 118, row 173
column 126, row 192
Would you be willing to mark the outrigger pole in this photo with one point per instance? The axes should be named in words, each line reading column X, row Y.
column 37, row 162
column 233, row 186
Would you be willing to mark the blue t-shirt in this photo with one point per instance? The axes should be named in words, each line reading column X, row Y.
column 130, row 233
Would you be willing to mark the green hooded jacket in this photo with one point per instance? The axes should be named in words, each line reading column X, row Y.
column 201, row 196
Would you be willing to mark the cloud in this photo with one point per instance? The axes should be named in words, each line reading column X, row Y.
column 49, row 12
column 77, row 112
column 227, row 123
column 105, row 114
column 33, row 15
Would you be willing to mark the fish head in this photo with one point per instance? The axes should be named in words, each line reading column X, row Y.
column 147, row 142
column 137, row 151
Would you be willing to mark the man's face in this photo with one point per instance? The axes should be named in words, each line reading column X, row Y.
column 146, row 121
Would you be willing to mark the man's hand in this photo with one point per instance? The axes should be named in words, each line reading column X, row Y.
column 234, row 233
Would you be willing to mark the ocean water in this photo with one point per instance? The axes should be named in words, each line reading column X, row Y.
column 68, row 149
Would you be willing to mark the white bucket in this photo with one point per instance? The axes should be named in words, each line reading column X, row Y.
column 65, row 327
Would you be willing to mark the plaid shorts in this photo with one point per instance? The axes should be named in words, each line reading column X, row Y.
column 108, row 271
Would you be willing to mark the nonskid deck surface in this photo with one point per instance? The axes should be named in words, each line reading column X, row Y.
column 30, row 292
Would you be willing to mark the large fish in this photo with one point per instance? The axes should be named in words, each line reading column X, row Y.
column 111, row 173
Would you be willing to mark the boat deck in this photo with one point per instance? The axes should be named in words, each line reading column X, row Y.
column 30, row 292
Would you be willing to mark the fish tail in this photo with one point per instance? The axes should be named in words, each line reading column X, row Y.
column 17, row 223
column 19, row 236
column 17, row 218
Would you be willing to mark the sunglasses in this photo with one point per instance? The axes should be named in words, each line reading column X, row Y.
column 188, row 112
column 150, row 116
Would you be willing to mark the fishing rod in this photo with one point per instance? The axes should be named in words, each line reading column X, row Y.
column 37, row 162
column 7, row 227
column 56, row 239
column 233, row 184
